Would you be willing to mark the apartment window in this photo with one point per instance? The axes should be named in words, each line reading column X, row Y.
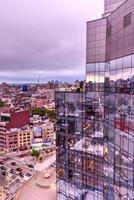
column 127, row 20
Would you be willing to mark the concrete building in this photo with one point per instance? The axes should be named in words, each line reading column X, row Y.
column 15, row 138
column 9, row 125
column 48, row 131
column 25, row 138
column 2, row 193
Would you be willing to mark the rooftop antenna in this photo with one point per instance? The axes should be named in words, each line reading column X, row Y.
column 38, row 81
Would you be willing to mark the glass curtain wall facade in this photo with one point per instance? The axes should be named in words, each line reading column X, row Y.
column 95, row 129
column 111, row 5
column 110, row 77
column 79, row 151
column 70, row 111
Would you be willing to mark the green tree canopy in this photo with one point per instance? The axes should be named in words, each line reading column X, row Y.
column 1, row 103
column 35, row 153
column 44, row 112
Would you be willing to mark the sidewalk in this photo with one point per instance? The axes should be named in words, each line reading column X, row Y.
column 47, row 162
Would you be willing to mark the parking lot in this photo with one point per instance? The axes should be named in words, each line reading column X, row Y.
column 15, row 170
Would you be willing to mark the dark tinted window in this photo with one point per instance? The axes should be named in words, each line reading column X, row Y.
column 127, row 20
column 108, row 31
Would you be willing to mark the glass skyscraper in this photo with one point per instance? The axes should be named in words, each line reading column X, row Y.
column 95, row 129
column 111, row 5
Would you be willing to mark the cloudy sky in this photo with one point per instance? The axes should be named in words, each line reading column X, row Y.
column 44, row 38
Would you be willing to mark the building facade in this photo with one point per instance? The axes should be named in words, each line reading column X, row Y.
column 11, row 124
column 48, row 131
column 69, row 107
column 98, row 162
column 25, row 138
column 111, row 5
column 110, row 69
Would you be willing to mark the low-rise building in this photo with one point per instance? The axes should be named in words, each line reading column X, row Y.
column 25, row 137
column 2, row 193
column 11, row 124
column 48, row 131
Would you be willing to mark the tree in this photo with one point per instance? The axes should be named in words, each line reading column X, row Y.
column 35, row 153
column 43, row 112
column 51, row 114
column 39, row 111
column 78, row 90
column 1, row 103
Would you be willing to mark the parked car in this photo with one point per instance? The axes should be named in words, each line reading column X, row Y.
column 19, row 169
column 4, row 173
column 2, row 162
column 3, row 168
column 28, row 175
column 21, row 175
column 12, row 171
column 31, row 166
column 13, row 163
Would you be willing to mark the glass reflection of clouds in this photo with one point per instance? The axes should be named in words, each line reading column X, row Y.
column 95, row 78
column 117, row 69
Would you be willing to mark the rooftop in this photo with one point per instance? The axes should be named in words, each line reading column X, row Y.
column 39, row 186
column 86, row 146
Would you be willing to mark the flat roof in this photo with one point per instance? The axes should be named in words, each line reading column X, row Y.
column 85, row 146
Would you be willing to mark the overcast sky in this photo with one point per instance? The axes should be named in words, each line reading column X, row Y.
column 44, row 38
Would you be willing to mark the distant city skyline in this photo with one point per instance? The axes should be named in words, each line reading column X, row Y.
column 45, row 38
